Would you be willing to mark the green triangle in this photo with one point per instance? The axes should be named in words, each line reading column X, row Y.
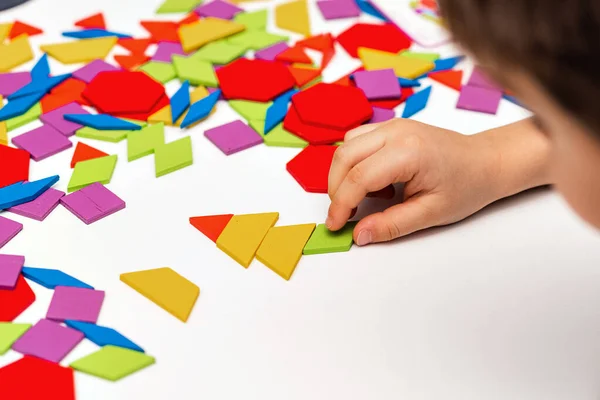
column 9, row 333
column 220, row 52
column 143, row 142
column 197, row 72
column 178, row 6
column 279, row 137
column 250, row 110
column 159, row 71
column 256, row 20
column 256, row 40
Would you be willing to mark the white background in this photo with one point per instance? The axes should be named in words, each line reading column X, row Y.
column 505, row 305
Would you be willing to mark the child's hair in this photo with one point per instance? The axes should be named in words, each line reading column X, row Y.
column 556, row 42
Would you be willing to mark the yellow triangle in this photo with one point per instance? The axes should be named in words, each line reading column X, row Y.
column 164, row 114
column 404, row 67
column 15, row 53
column 4, row 31
column 293, row 16
column 166, row 288
column 195, row 35
column 3, row 130
column 79, row 51
column 243, row 234
column 282, row 248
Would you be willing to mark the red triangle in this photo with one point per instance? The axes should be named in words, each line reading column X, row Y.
column 302, row 76
column 19, row 28
column 452, row 78
column 322, row 42
column 130, row 61
column 95, row 21
column 211, row 225
column 294, row 55
column 83, row 152
column 162, row 31
column 15, row 301
column 136, row 46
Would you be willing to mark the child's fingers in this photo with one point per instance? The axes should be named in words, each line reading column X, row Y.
column 387, row 192
column 361, row 130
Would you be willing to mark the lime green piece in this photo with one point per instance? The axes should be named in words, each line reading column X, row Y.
column 279, row 137
column 324, row 241
column 178, row 6
column 256, row 20
column 143, row 142
column 113, row 363
column 197, row 72
column 219, row 52
column 9, row 333
column 251, row 110
column 92, row 171
column 173, row 156
column 159, row 71
column 421, row 56
column 31, row 115
column 106, row 136
column 258, row 125
column 256, row 40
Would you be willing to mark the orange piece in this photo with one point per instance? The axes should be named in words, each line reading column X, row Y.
column 136, row 46
column 131, row 61
column 452, row 78
column 322, row 42
column 20, row 28
column 189, row 19
column 294, row 55
column 53, row 101
column 95, row 21
column 162, row 31
column 211, row 225
column 302, row 76
column 83, row 152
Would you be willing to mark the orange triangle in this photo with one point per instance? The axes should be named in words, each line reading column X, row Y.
column 294, row 55
column 452, row 78
column 136, row 46
column 83, row 152
column 302, row 76
column 92, row 22
column 211, row 225
column 322, row 42
column 189, row 19
column 162, row 31
column 131, row 61
column 19, row 28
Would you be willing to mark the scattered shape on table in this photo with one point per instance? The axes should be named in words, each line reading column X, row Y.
column 42, row 142
column 277, row 111
column 280, row 137
column 14, row 166
column 233, row 137
column 173, row 156
column 105, row 136
column 9, row 333
column 256, row 40
column 131, row 61
column 5, row 30
column 311, row 167
column 404, row 67
column 112, row 363
column 135, row 46
column 41, row 69
column 479, row 99
column 159, row 71
column 75, row 303
column 88, row 72
column 211, row 225
column 292, row 55
column 177, row 6
column 250, row 109
column 218, row 9
column 243, row 235
column 452, row 79
column 91, row 171
column 384, row 37
column 336, row 9
column 84, row 152
column 480, row 79
column 10, row 82
column 50, row 379
column 408, row 83
column 92, row 203
column 377, row 85
column 165, row 50
column 305, row 77
column 19, row 28
column 20, row 193
column 95, row 21
column 432, row 57
column 43, row 86
column 166, row 288
column 101, row 122
column 19, row 107
column 161, row 31
column 325, row 241
column 221, row 52
column 8, row 230
column 94, row 33
column 41, row 207
column 282, row 248
column 10, row 269
column 201, row 109
column 100, row 335
column 381, row 115
column 180, row 101
column 80, row 51
column 416, row 102
column 206, row 30
column 15, row 301
column 51, row 278
column 293, row 16
column 269, row 53
column 48, row 340
column 315, row 135
column 446, row 64
column 55, row 118
column 256, row 20
column 197, row 72
column 16, row 52
column 142, row 143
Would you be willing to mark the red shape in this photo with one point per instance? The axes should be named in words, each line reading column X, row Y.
column 131, row 61
column 67, row 92
column 211, row 225
column 311, row 167
column 14, row 166
column 327, row 57
column 119, row 92
column 312, row 134
column 322, row 42
column 451, row 78
column 302, row 76
column 162, row 31
column 19, row 28
column 386, row 37
column 136, row 46
column 83, row 152
column 333, row 106
column 95, row 21
column 255, row 80
column 293, row 55
column 391, row 104
column 13, row 302
column 68, row 86
column 143, row 116
column 33, row 378
column 189, row 19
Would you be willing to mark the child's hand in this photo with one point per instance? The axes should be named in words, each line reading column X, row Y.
column 448, row 176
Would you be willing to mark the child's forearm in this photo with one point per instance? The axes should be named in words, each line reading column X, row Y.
column 518, row 157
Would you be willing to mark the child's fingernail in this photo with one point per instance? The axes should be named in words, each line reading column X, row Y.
column 364, row 238
column 329, row 222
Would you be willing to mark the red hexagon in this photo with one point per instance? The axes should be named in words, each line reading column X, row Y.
column 120, row 92
column 386, row 37
column 312, row 134
column 34, row 378
column 14, row 165
column 311, row 167
column 255, row 80
column 333, row 106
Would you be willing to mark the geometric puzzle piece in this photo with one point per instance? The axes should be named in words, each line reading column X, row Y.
column 311, row 167
column 55, row 118
column 51, row 278
column 93, row 203
column 162, row 31
column 404, row 67
column 173, row 156
column 100, row 335
column 180, row 101
column 479, row 99
column 377, row 85
column 51, row 380
column 48, row 340
column 200, row 109
column 480, row 79
column 159, row 71
column 315, row 135
column 251, row 110
column 381, row 115
column 165, row 50
column 15, row 53
column 112, row 363
column 197, row 72
column 177, row 6
column 95, row 21
column 21, row 193
column 195, row 35
column 102, row 122
column 14, row 166
column 10, row 82
column 325, row 241
column 9, row 333
column 83, row 152
column 19, row 107
column 293, row 16
column 76, row 304
column 218, row 9
column 42, row 142
column 80, row 51
column 142, row 143
column 88, row 72
column 166, row 288
column 452, row 79
column 20, row 28
column 233, row 137
column 8, row 230
column 266, row 45
column 211, row 225
column 256, row 20
column 10, row 269
column 106, row 136
column 96, row 170
column 14, row 301
column 280, row 137
column 416, row 102
column 41, row 207
column 386, row 37
column 221, row 52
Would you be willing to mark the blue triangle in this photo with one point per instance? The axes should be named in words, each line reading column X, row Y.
column 416, row 102
column 42, row 85
column 102, row 122
column 19, row 106
column 51, row 278
column 102, row 335
column 41, row 69
column 94, row 33
column 19, row 193
column 201, row 109
column 180, row 101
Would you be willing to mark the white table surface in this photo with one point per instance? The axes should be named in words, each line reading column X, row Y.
column 505, row 305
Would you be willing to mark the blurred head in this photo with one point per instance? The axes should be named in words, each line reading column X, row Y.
column 547, row 52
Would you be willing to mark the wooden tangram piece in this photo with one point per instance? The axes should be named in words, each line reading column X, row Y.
column 404, row 67
column 195, row 35
column 15, row 53
column 293, row 16
column 80, row 51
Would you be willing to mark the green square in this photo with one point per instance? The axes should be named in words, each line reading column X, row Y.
column 197, row 72
column 219, row 52
column 256, row 40
column 143, row 142
column 324, row 241
column 256, row 20
column 113, row 363
column 173, row 156
column 251, row 110
column 159, row 71
column 91, row 171
column 177, row 6
column 31, row 115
